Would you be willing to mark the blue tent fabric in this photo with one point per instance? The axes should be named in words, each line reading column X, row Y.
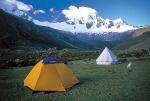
column 50, row 60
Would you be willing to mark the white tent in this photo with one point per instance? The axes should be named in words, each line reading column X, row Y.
column 106, row 57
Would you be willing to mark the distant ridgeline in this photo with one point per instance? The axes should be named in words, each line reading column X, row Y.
column 18, row 33
column 140, row 42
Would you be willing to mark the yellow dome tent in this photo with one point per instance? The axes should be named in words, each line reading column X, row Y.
column 50, row 77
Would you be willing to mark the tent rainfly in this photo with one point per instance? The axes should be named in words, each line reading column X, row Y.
column 106, row 58
column 47, row 75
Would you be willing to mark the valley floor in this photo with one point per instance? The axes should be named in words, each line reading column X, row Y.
column 96, row 83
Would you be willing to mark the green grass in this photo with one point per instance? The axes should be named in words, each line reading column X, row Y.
column 96, row 83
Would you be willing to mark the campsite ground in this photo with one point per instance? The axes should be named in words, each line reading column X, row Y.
column 96, row 83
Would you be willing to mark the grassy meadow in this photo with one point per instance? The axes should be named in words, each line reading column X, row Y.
column 23, row 44
column 96, row 83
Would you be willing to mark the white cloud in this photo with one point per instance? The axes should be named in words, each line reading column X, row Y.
column 14, row 4
column 80, row 13
column 19, row 8
column 51, row 10
column 22, row 6
column 39, row 12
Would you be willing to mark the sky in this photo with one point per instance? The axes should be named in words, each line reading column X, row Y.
column 136, row 12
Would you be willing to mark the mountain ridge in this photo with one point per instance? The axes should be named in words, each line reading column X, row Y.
column 18, row 33
column 88, row 23
column 15, row 31
column 142, row 41
column 93, row 25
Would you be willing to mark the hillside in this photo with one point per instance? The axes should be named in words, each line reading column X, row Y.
column 139, row 42
column 18, row 33
column 140, row 31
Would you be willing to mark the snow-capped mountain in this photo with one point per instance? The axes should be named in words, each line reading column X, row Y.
column 83, row 22
column 98, row 26
column 86, row 20
column 104, row 31
column 92, row 27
